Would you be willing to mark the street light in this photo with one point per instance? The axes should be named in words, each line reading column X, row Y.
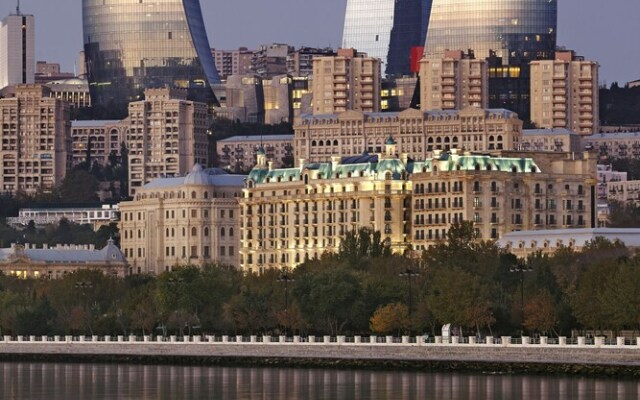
column 409, row 273
column 521, row 267
column 286, row 277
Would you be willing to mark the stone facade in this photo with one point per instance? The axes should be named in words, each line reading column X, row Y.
column 183, row 220
column 167, row 135
column 318, row 138
column 557, row 139
column 613, row 145
column 238, row 153
column 97, row 139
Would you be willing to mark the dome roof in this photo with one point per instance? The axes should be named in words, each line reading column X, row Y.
column 197, row 176
column 70, row 81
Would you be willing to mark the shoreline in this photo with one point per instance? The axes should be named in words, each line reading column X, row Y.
column 571, row 359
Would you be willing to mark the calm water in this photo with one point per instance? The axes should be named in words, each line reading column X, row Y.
column 97, row 381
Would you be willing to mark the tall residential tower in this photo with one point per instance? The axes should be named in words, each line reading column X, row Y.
column 386, row 29
column 133, row 45
column 17, row 49
column 510, row 33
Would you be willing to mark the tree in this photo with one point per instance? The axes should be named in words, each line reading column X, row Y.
column 79, row 186
column 391, row 318
column 540, row 313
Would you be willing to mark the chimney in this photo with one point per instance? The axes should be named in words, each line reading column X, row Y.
column 404, row 157
column 270, row 163
column 335, row 160
column 302, row 162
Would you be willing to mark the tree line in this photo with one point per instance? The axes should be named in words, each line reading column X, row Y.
column 476, row 286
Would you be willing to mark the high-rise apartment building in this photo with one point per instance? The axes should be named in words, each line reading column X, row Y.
column 97, row 140
column 564, row 93
column 35, row 133
column 17, row 49
column 300, row 62
column 347, row 81
column 167, row 135
column 270, row 60
column 510, row 33
column 453, row 82
column 386, row 29
column 132, row 45
column 233, row 62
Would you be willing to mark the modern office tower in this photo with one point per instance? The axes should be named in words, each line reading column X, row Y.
column 277, row 92
column 131, row 45
column 300, row 62
column 36, row 140
column 318, row 138
column 510, row 33
column 97, row 141
column 453, row 82
column 17, row 49
column 244, row 99
column 270, row 60
column 564, row 93
column 347, row 81
column 233, row 62
column 186, row 220
column 167, row 136
column 386, row 29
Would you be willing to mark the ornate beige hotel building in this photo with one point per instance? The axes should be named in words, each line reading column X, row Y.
column 318, row 138
column 193, row 219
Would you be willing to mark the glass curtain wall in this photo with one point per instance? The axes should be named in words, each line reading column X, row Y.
column 510, row 33
column 131, row 45
column 386, row 29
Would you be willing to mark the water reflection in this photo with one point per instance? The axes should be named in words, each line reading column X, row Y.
column 97, row 381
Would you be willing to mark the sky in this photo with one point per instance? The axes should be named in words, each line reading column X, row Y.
column 603, row 31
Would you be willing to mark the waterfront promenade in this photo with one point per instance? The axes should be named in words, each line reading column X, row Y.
column 318, row 350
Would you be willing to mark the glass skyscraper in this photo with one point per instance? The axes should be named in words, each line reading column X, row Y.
column 509, row 33
column 386, row 29
column 131, row 45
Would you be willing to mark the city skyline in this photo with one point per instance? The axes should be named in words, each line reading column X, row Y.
column 61, row 43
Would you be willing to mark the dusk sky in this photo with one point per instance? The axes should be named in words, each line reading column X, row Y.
column 606, row 32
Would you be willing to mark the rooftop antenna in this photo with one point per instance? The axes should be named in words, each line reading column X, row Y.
column 18, row 8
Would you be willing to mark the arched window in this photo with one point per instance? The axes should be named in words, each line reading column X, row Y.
column 206, row 232
column 194, row 231
column 193, row 194
column 206, row 195
column 230, row 232
column 222, row 231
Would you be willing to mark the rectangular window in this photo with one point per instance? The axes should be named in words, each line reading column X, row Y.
column 222, row 251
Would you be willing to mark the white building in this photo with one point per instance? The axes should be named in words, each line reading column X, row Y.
column 96, row 216
column 17, row 49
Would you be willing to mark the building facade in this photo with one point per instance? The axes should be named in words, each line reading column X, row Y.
column 36, row 140
column 501, row 194
column 293, row 214
column 300, row 61
column 232, row 62
column 453, row 82
column 74, row 91
column 348, row 81
column 167, row 135
column 192, row 220
column 244, row 99
column 558, row 140
column 28, row 261
column 97, row 140
column 613, row 145
column 239, row 153
column 131, row 45
column 270, row 60
column 387, row 30
column 96, row 216
column 319, row 137
column 564, row 93
column 510, row 33
column 290, row 215
column 278, row 105
column 17, row 49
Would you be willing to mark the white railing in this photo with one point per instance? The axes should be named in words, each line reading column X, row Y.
column 504, row 341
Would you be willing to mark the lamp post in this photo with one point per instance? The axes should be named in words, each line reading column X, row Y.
column 83, row 286
column 286, row 277
column 521, row 267
column 409, row 273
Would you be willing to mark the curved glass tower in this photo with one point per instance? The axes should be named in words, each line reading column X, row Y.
column 386, row 29
column 510, row 33
column 131, row 45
